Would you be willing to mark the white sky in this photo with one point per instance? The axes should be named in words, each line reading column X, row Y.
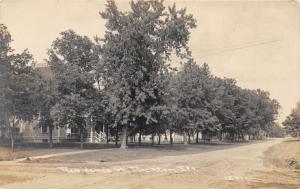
column 257, row 43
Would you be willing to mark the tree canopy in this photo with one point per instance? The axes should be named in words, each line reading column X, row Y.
column 137, row 45
column 18, row 86
column 125, row 81
column 72, row 60
column 292, row 122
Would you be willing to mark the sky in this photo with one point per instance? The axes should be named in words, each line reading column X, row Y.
column 255, row 42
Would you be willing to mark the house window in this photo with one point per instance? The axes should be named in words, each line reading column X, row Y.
column 44, row 129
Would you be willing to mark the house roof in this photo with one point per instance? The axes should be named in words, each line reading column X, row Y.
column 45, row 72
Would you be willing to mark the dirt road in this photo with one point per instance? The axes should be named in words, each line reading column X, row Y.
column 238, row 167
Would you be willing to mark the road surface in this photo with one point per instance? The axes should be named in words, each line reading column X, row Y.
column 236, row 167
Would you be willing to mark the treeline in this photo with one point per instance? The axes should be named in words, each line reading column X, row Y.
column 292, row 122
column 125, row 82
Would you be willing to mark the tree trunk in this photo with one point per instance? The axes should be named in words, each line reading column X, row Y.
column 12, row 139
column 107, row 134
column 1, row 132
column 124, row 137
column 10, row 128
column 140, row 137
column 12, row 133
column 231, row 136
column 197, row 137
column 189, row 138
column 50, row 136
column 152, row 139
column 81, row 138
column 171, row 137
column 117, row 136
column 185, row 138
column 159, row 139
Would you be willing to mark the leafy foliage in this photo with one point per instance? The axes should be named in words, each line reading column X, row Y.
column 137, row 46
column 125, row 81
column 72, row 60
column 18, row 86
column 292, row 122
column 17, row 79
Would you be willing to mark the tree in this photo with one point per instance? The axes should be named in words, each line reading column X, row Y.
column 225, row 112
column 18, row 87
column 47, row 98
column 72, row 60
column 137, row 46
column 292, row 122
column 197, row 94
column 266, row 112
column 277, row 131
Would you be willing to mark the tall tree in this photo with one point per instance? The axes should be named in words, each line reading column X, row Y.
column 196, row 95
column 47, row 98
column 18, row 87
column 137, row 46
column 292, row 122
column 72, row 59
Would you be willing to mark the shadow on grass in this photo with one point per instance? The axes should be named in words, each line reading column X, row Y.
column 214, row 145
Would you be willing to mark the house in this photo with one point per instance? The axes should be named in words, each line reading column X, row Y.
column 33, row 132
